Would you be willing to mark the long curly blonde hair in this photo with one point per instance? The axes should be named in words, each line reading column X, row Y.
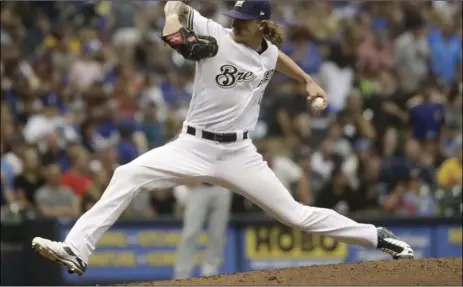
column 273, row 32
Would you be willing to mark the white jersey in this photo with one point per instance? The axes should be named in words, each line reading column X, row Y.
column 228, row 88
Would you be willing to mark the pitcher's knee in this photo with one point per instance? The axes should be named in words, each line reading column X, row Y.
column 128, row 170
column 297, row 217
column 127, row 173
column 123, row 171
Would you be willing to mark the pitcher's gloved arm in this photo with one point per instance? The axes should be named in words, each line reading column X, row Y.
column 184, row 40
column 175, row 12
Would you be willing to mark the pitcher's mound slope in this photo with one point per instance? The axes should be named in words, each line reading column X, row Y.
column 424, row 272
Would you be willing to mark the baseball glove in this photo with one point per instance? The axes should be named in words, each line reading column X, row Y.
column 191, row 46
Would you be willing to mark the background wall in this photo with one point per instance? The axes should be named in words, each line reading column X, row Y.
column 145, row 251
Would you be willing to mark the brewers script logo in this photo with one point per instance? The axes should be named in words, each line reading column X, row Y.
column 230, row 75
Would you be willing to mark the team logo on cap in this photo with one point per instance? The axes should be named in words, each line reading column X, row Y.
column 239, row 3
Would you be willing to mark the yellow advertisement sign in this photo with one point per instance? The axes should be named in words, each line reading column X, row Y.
column 128, row 258
column 113, row 239
column 128, row 249
column 455, row 235
column 281, row 242
column 125, row 258
column 169, row 238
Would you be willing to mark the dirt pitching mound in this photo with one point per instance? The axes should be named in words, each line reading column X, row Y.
column 425, row 272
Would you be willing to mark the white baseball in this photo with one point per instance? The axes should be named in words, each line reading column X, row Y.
column 318, row 104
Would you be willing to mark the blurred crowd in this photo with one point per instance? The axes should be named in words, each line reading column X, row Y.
column 88, row 85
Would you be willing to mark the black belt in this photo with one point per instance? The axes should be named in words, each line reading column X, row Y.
column 217, row 137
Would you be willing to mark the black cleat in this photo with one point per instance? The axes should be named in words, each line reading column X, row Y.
column 390, row 244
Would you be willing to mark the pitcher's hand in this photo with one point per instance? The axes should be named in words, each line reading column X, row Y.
column 314, row 90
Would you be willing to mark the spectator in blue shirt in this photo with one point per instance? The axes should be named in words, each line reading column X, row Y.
column 174, row 91
column 151, row 127
column 410, row 196
column 426, row 116
column 127, row 149
column 87, row 135
column 107, row 133
column 37, row 34
column 303, row 51
column 394, row 169
column 445, row 51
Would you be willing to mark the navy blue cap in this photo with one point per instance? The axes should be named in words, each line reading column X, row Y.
column 250, row 10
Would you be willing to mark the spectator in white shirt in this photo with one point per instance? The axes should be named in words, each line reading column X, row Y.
column 337, row 77
column 411, row 55
column 13, row 158
column 48, row 121
column 87, row 70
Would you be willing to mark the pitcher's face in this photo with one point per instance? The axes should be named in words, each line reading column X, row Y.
column 245, row 30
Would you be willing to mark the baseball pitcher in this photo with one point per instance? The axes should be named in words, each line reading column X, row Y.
column 233, row 68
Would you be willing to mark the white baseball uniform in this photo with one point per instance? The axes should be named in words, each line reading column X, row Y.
column 227, row 92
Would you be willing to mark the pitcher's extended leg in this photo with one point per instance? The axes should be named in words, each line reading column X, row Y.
column 253, row 179
column 251, row 176
column 182, row 161
column 216, row 230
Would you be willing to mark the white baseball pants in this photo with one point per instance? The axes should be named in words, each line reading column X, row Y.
column 236, row 166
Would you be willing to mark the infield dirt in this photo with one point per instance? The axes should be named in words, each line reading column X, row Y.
column 424, row 272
